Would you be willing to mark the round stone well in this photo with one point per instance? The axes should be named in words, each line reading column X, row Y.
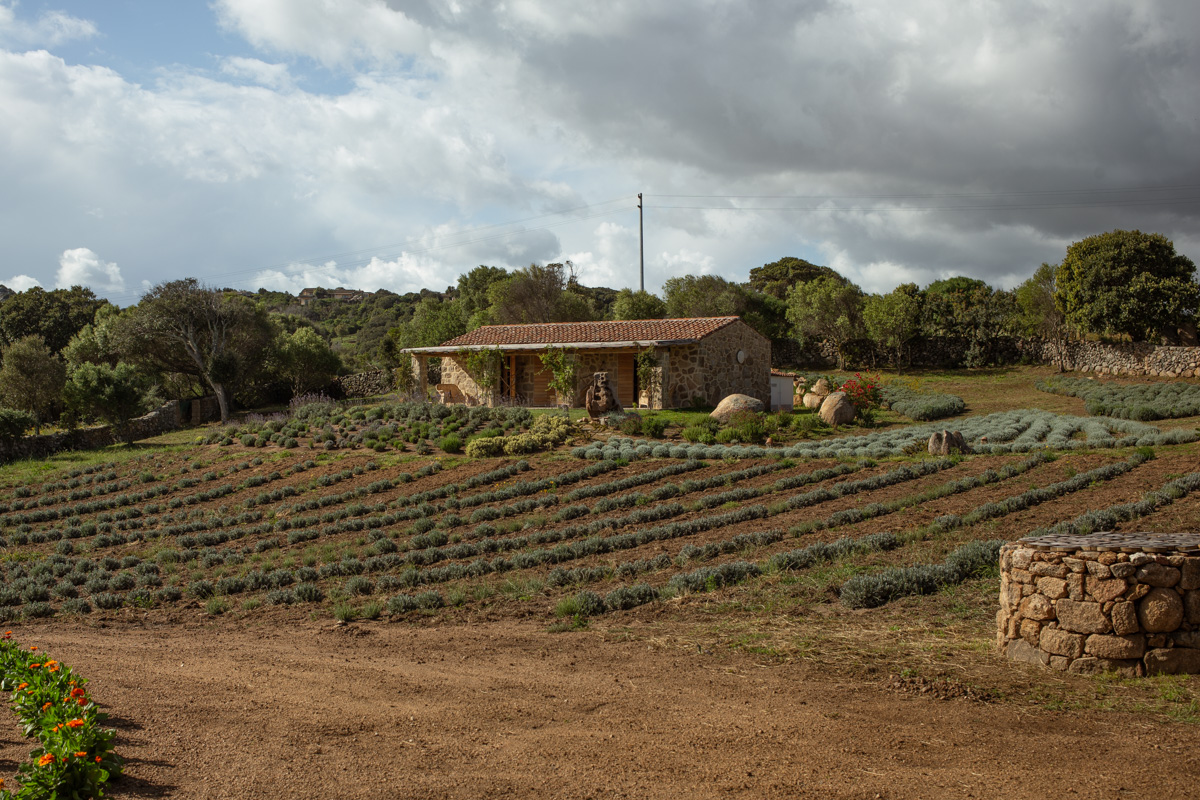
column 1123, row 602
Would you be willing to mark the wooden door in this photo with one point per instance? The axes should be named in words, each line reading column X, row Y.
column 626, row 372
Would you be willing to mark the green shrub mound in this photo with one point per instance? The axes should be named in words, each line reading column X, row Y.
column 971, row 560
column 922, row 406
column 1143, row 402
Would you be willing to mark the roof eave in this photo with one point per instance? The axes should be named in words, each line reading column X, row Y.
column 450, row 349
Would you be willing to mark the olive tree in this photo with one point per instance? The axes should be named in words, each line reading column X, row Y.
column 32, row 378
column 1127, row 282
column 829, row 309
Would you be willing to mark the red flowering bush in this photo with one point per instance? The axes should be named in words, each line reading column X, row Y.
column 863, row 394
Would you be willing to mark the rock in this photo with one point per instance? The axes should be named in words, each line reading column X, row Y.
column 811, row 400
column 733, row 404
column 837, row 409
column 1037, row 607
column 1081, row 617
column 1061, row 643
column 1021, row 650
column 1043, row 569
column 1022, row 558
column 1054, row 588
column 946, row 442
column 1160, row 611
column 822, row 388
column 601, row 399
column 1074, row 564
column 1124, row 619
column 1030, row 630
column 1123, row 570
column 1172, row 661
column 1191, row 574
column 1098, row 570
column 1115, row 646
column 1090, row 665
column 1102, row 590
column 1191, row 604
column 1187, row 639
column 1156, row 574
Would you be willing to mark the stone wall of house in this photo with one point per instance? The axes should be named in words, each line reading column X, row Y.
column 454, row 372
column 167, row 417
column 1090, row 611
column 709, row 371
column 363, row 384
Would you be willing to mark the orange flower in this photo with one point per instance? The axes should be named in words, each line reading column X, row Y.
column 22, row 686
column 82, row 701
column 34, row 666
column 48, row 758
column 81, row 754
column 97, row 759
column 47, row 706
column 75, row 723
column 77, row 692
column 50, row 663
column 33, row 648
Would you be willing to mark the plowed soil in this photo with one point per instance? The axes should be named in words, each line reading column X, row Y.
column 296, row 708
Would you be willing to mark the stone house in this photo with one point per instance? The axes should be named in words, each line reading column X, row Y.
column 696, row 361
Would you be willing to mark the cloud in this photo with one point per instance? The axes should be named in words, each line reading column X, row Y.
column 334, row 34
column 82, row 267
column 894, row 142
column 275, row 76
column 19, row 283
column 51, row 29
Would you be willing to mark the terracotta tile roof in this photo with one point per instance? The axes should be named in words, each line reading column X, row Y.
column 563, row 333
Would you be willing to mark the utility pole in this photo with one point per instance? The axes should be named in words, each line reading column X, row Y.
column 641, row 248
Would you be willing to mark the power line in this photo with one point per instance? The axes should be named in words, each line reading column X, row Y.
column 1003, row 207
column 1168, row 188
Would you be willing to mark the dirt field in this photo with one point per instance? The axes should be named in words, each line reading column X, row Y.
column 765, row 688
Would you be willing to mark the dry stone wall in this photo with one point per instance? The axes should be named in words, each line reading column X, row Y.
column 167, row 417
column 1092, row 606
column 364, row 384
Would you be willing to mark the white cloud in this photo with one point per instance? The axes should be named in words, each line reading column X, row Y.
column 82, row 267
column 275, row 76
column 19, row 283
column 51, row 29
column 333, row 33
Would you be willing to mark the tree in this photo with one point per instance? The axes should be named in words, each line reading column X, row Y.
column 638, row 305
column 539, row 293
column 969, row 310
column 94, row 343
column 56, row 315
column 1039, row 314
column 778, row 277
column 307, row 361
column 32, row 378
column 893, row 319
column 113, row 394
column 829, row 309
column 473, row 293
column 184, row 327
column 1127, row 282
column 702, row 296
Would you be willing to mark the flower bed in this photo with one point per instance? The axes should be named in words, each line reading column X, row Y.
column 74, row 756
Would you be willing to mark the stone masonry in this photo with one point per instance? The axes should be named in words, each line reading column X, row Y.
column 1126, row 603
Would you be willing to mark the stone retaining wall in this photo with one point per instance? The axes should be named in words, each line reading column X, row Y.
column 1091, row 609
column 1124, row 358
column 167, row 417
column 364, row 384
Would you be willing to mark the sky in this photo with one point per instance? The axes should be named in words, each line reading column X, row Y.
column 396, row 145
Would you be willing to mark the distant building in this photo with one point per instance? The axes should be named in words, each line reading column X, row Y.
column 698, row 360
column 317, row 293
